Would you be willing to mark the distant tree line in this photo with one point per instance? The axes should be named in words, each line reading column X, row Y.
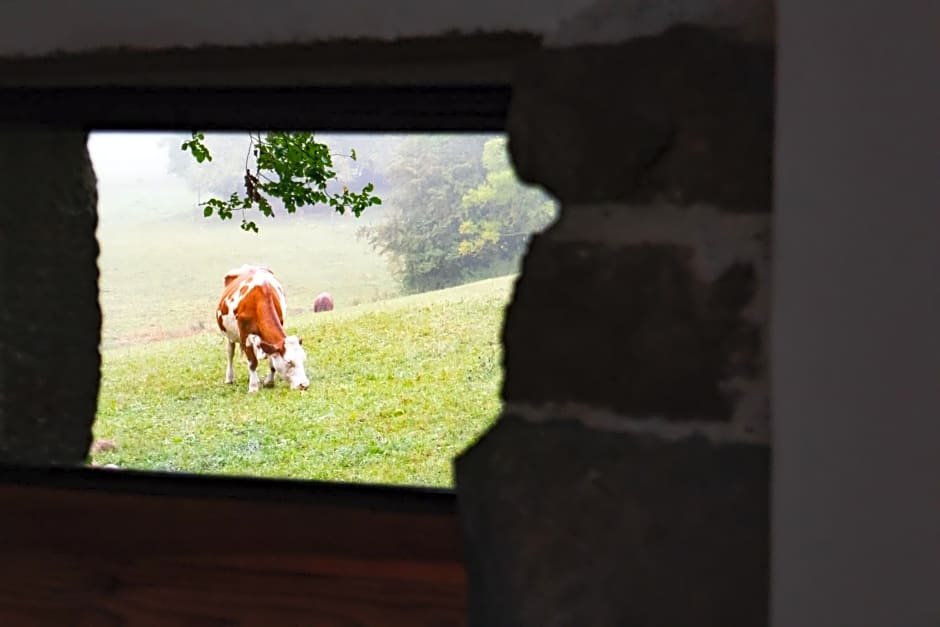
column 453, row 210
column 456, row 212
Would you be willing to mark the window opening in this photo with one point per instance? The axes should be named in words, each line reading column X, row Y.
column 399, row 309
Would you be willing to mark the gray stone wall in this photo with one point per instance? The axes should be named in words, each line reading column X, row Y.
column 627, row 481
column 50, row 319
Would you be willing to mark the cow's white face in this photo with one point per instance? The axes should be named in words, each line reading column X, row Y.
column 290, row 365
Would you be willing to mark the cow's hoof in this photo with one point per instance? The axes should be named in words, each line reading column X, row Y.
column 227, row 382
column 252, row 390
column 269, row 384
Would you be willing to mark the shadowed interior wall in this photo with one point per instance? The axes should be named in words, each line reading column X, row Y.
column 589, row 491
column 50, row 319
column 856, row 381
column 633, row 454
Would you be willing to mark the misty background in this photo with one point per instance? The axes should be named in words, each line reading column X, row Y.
column 452, row 212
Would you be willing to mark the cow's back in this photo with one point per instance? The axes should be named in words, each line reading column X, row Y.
column 246, row 289
column 245, row 269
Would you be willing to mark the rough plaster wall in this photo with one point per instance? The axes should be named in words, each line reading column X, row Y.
column 26, row 27
column 50, row 318
column 627, row 481
column 850, row 526
column 664, row 234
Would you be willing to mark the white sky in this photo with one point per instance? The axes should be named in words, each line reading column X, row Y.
column 122, row 157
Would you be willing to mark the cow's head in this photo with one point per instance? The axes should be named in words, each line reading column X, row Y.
column 287, row 357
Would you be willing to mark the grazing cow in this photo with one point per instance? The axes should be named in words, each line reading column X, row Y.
column 251, row 314
column 323, row 302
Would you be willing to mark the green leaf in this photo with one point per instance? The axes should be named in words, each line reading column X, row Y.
column 291, row 167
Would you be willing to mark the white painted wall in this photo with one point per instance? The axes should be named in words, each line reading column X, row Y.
column 856, row 382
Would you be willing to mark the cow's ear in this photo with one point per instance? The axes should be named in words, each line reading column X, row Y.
column 300, row 340
column 270, row 349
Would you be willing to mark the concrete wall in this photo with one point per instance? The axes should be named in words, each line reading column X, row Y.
column 852, row 374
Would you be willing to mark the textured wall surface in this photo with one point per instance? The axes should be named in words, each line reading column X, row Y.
column 627, row 482
column 854, row 302
column 50, row 319
column 27, row 27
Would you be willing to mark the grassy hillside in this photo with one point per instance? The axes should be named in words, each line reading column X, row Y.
column 398, row 388
column 162, row 277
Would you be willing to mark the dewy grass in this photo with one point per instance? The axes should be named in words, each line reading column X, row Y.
column 397, row 389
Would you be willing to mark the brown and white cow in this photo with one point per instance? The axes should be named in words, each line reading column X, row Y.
column 251, row 314
column 323, row 302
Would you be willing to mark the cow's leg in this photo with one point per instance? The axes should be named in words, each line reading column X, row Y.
column 269, row 380
column 253, row 383
column 230, row 371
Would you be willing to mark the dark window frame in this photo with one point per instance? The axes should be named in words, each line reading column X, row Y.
column 454, row 109
column 477, row 108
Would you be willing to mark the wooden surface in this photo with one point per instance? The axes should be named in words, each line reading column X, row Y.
column 101, row 548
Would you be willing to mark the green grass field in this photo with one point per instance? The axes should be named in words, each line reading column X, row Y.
column 162, row 278
column 399, row 385
column 397, row 389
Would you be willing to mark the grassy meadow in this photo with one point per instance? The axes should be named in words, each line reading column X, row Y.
column 399, row 385
column 162, row 278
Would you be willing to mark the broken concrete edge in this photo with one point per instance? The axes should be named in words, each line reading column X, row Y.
column 682, row 117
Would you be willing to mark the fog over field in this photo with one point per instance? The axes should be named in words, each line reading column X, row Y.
column 404, row 372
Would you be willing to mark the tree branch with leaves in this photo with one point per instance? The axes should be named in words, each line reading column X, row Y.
column 291, row 167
